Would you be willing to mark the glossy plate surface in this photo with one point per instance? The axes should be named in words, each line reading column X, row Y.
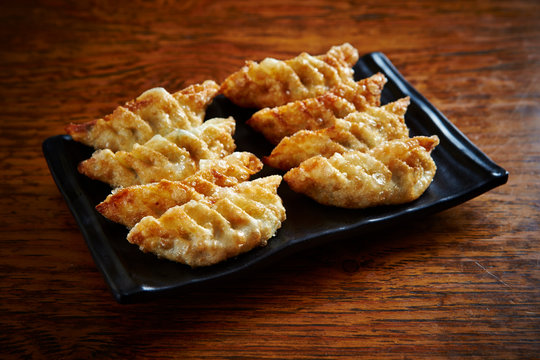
column 463, row 172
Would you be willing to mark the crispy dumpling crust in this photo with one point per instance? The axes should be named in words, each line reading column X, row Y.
column 318, row 112
column 394, row 172
column 276, row 82
column 154, row 112
column 129, row 205
column 361, row 130
column 204, row 232
column 173, row 157
column 363, row 93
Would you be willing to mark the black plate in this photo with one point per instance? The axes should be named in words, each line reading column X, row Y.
column 463, row 173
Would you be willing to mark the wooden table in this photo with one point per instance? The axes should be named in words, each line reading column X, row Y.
column 457, row 284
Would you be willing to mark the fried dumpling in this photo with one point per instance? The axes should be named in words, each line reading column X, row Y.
column 394, row 172
column 274, row 82
column 318, row 112
column 173, row 157
column 129, row 205
column 204, row 232
column 361, row 130
column 154, row 112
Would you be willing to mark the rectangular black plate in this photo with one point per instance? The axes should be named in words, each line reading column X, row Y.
column 463, row 172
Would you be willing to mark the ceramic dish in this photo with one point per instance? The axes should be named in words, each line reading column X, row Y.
column 463, row 172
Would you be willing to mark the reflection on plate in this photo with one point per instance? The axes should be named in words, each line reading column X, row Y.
column 463, row 172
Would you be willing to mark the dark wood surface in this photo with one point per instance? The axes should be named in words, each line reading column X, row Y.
column 458, row 284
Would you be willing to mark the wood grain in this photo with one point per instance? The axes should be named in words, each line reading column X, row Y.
column 464, row 283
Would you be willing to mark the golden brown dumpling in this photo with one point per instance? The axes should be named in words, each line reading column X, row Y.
column 361, row 130
column 129, row 205
column 318, row 112
column 154, row 112
column 204, row 232
column 276, row 82
column 394, row 172
column 173, row 157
